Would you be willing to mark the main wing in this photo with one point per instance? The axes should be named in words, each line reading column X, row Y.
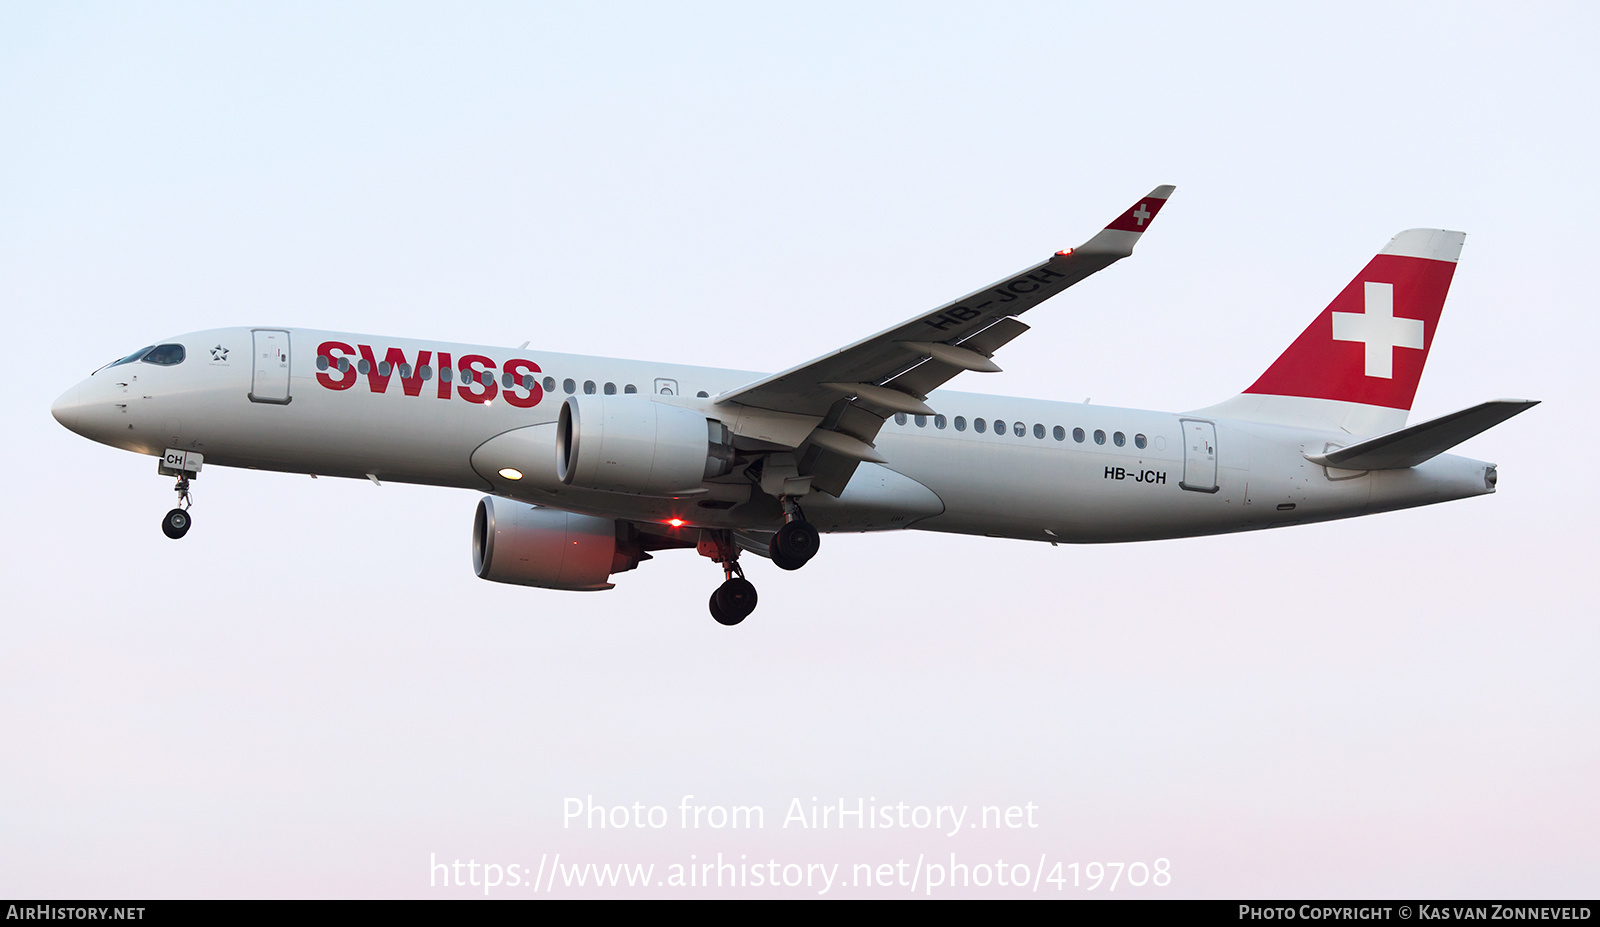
column 855, row 388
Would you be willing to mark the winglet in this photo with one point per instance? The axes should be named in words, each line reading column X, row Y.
column 1123, row 233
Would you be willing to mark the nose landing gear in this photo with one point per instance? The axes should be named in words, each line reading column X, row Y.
column 181, row 464
column 175, row 524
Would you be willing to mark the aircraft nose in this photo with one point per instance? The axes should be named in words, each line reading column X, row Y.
column 66, row 408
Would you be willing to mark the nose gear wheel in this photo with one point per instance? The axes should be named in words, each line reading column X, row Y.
column 175, row 524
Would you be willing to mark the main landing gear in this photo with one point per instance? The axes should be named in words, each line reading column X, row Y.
column 796, row 542
column 735, row 599
column 175, row 524
column 791, row 547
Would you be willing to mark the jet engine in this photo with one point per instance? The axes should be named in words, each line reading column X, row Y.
column 533, row 546
column 633, row 444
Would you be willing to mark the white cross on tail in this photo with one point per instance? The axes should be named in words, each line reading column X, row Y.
column 1379, row 330
column 1141, row 214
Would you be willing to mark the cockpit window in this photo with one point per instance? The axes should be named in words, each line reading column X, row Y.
column 165, row 355
column 134, row 356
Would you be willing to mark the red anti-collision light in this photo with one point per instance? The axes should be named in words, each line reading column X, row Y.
column 675, row 522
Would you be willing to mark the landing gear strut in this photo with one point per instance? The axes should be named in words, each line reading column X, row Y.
column 796, row 542
column 175, row 524
column 735, row 599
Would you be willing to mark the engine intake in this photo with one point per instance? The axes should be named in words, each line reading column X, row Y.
column 633, row 444
column 532, row 546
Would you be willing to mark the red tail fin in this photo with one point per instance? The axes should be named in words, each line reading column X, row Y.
column 1356, row 367
column 1370, row 344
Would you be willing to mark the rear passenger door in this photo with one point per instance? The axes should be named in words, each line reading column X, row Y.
column 1199, row 456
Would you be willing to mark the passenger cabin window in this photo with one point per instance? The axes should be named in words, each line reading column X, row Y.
column 899, row 418
column 611, row 389
column 588, row 387
column 630, row 388
column 1077, row 435
column 1140, row 441
column 549, row 384
column 979, row 425
column 1119, row 439
column 1059, row 433
column 1099, row 436
column 938, row 421
column 960, row 423
column 569, row 385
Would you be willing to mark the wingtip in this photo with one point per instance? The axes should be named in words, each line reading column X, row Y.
column 1136, row 219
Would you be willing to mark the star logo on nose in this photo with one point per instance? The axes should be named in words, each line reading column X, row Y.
column 219, row 353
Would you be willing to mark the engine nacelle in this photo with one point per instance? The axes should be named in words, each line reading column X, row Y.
column 633, row 444
column 531, row 546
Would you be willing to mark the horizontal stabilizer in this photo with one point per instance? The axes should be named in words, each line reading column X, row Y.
column 1408, row 447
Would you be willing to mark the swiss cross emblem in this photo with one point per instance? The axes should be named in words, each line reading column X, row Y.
column 1379, row 330
column 1141, row 214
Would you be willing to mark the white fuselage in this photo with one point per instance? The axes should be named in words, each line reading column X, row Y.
column 1239, row 476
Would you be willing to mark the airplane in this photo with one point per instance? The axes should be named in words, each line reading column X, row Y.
column 591, row 465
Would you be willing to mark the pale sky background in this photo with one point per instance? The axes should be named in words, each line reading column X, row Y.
column 312, row 692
